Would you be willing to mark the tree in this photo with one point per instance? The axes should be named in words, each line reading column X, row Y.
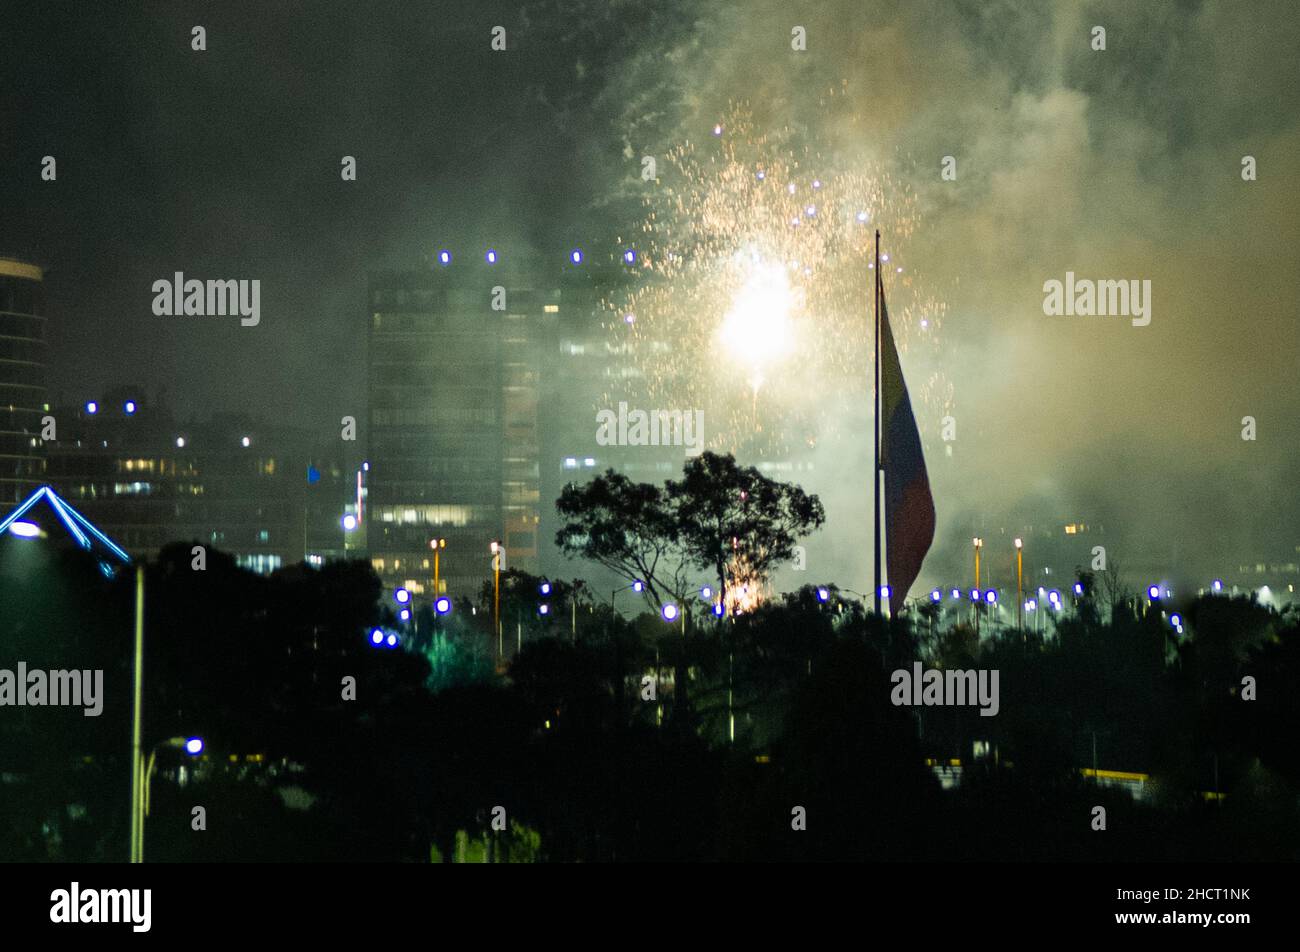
column 735, row 521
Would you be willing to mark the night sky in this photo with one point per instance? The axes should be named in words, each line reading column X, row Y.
column 1117, row 164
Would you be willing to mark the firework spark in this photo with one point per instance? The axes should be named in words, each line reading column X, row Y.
column 756, row 299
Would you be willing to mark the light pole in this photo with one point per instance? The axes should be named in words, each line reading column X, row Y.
column 498, row 556
column 979, row 544
column 1020, row 588
column 137, row 775
column 437, row 545
column 636, row 586
column 192, row 746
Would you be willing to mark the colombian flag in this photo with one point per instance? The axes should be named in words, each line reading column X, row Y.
column 909, row 507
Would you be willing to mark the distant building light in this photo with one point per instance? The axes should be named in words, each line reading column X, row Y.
column 570, row 462
column 589, row 462
column 629, row 318
column 551, row 308
column 246, row 442
column 717, row 130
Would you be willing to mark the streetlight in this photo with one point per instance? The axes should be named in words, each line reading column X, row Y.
column 1020, row 583
column 401, row 596
column 192, row 746
column 669, row 612
column 437, row 545
column 498, row 557
column 637, row 586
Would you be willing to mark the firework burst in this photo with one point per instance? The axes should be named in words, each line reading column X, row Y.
column 755, row 301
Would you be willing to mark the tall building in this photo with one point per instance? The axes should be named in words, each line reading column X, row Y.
column 23, row 359
column 453, row 430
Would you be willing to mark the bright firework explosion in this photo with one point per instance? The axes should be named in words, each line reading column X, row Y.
column 756, row 300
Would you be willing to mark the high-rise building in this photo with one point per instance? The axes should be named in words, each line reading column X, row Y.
column 454, row 359
column 23, row 359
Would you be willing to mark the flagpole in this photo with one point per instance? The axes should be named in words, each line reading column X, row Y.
column 875, row 469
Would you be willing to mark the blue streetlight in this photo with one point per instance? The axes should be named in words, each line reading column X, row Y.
column 376, row 636
column 991, row 597
column 1153, row 593
column 545, row 588
column 543, row 609
column 706, row 593
column 1176, row 620
column 936, row 596
column 884, row 591
column 92, row 407
column 1218, row 585
column 491, row 256
column 717, row 609
column 129, row 407
column 444, row 257
column 349, row 522
column 823, row 594
column 442, row 606
column 194, row 746
column 956, row 593
column 576, row 256
column 629, row 256
column 404, row 614
column 974, row 594
column 669, row 612
column 392, row 640
column 401, row 596
column 1078, row 588
column 638, row 586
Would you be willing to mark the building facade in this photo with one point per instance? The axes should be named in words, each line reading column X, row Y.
column 23, row 360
